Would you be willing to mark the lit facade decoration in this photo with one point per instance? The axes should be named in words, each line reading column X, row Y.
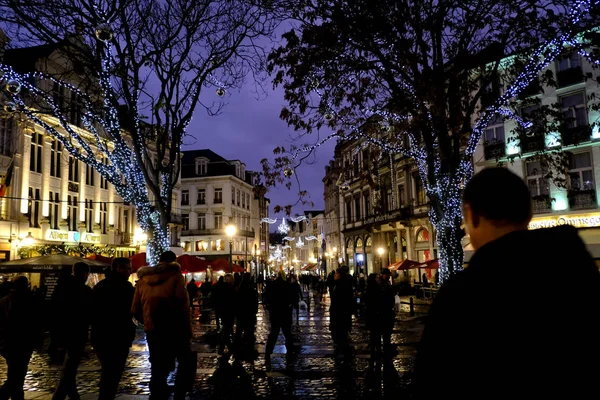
column 216, row 192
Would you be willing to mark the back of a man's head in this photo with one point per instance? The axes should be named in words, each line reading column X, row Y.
column 81, row 270
column 168, row 256
column 19, row 285
column 120, row 262
column 499, row 196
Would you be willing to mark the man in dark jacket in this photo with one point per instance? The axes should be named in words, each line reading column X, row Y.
column 73, row 303
column 343, row 305
column 246, row 307
column 113, row 329
column 161, row 303
column 278, row 299
column 486, row 334
column 19, row 333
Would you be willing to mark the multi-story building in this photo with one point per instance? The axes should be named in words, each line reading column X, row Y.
column 575, row 200
column 52, row 197
column 382, row 209
column 304, row 248
column 216, row 192
column 331, row 215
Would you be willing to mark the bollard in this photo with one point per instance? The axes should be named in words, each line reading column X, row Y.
column 412, row 307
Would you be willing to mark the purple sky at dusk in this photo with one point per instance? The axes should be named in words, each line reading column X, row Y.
column 249, row 129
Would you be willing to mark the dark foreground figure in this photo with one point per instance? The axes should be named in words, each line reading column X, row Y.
column 493, row 331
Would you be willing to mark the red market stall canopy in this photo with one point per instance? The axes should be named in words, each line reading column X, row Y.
column 222, row 264
column 191, row 263
column 100, row 258
column 433, row 264
column 309, row 267
column 138, row 261
column 404, row 265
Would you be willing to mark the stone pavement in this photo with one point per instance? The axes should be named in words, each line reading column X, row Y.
column 314, row 373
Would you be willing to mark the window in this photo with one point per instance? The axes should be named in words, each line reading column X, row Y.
column 423, row 235
column 238, row 197
column 218, row 220
column 75, row 111
column 348, row 210
column 73, row 169
column 400, row 194
column 35, row 156
column 55, row 156
column 53, row 210
column 536, row 179
column 126, row 221
column 59, row 93
column 357, row 207
column 419, row 190
column 573, row 109
column 233, row 196
column 103, row 219
column 580, row 172
column 218, row 196
column 243, row 200
column 201, row 196
column 248, row 201
column 218, row 245
column 185, row 197
column 72, row 212
column 89, row 175
column 185, row 221
column 6, row 134
column 89, row 215
column 367, row 200
column 572, row 60
column 34, row 208
column 201, row 245
column 202, row 221
column 201, row 167
column 495, row 131
column 103, row 180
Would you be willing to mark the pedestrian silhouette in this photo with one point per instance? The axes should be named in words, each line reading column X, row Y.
column 162, row 304
column 343, row 305
column 19, row 333
column 487, row 337
column 278, row 300
column 227, row 309
column 113, row 329
column 246, row 307
column 73, row 305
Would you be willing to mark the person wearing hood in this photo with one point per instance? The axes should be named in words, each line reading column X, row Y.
column 485, row 334
column 162, row 304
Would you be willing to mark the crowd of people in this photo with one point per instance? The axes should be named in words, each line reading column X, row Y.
column 483, row 334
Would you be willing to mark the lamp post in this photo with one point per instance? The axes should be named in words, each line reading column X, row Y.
column 230, row 231
column 380, row 251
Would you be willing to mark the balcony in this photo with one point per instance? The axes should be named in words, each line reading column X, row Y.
column 494, row 151
column 541, row 204
column 582, row 199
column 123, row 238
column 216, row 232
column 531, row 144
column 569, row 77
column 398, row 215
column 176, row 219
column 574, row 136
column 533, row 89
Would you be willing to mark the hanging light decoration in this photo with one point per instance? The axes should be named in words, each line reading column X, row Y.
column 104, row 33
column 13, row 87
column 283, row 227
column 288, row 172
column 220, row 92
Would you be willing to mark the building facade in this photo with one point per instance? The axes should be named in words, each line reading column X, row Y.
column 382, row 209
column 48, row 195
column 216, row 192
column 573, row 201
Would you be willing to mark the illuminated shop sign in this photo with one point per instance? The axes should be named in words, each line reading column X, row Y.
column 578, row 221
column 72, row 236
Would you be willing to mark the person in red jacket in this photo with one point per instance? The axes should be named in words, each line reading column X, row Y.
column 161, row 303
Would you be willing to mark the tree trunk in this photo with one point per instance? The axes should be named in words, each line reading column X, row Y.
column 156, row 228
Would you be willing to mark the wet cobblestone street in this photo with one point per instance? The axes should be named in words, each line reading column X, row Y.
column 314, row 373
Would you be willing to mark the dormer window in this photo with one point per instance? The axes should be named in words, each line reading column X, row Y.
column 237, row 170
column 201, row 166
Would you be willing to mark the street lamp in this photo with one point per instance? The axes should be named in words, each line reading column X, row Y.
column 380, row 251
column 28, row 242
column 230, row 232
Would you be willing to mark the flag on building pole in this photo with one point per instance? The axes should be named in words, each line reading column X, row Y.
column 7, row 179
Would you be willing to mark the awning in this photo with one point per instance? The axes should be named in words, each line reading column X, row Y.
column 403, row 265
column 53, row 262
column 191, row 263
column 433, row 264
column 309, row 267
column 222, row 264
column 138, row 261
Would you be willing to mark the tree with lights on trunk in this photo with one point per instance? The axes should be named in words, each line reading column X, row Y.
column 419, row 78
column 136, row 71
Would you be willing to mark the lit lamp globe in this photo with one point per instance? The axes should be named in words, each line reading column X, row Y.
column 230, row 230
column 28, row 240
column 380, row 251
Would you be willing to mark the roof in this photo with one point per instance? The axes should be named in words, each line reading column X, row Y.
column 217, row 165
column 23, row 59
column 189, row 157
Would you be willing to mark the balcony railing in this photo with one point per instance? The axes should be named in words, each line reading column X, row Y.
column 580, row 199
column 176, row 218
column 207, row 232
column 530, row 144
column 401, row 214
column 575, row 135
column 494, row 150
column 569, row 77
column 541, row 204
column 123, row 238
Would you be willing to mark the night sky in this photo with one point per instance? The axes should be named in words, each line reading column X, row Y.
column 249, row 129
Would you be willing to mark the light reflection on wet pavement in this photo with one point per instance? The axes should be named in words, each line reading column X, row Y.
column 314, row 373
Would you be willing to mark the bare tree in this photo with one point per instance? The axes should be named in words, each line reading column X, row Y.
column 143, row 68
column 418, row 78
